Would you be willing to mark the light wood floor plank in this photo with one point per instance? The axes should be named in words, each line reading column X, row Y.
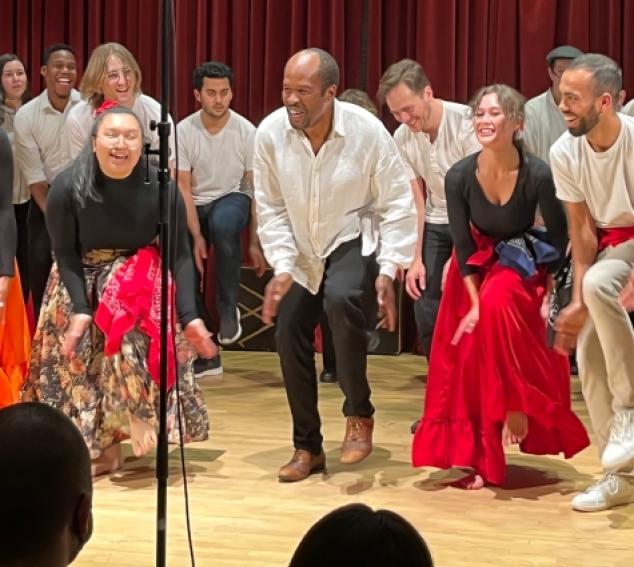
column 243, row 517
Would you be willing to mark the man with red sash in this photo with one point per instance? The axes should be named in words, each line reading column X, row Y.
column 593, row 168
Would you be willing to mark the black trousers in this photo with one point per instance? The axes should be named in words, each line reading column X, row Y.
column 349, row 301
column 437, row 247
column 40, row 258
column 327, row 346
column 22, row 251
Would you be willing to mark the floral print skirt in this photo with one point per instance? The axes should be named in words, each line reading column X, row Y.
column 99, row 392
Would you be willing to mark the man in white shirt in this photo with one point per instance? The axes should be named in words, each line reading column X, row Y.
column 39, row 125
column 593, row 168
column 434, row 135
column 320, row 166
column 544, row 122
column 215, row 175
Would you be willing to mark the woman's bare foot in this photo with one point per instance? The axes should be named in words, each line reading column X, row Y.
column 142, row 435
column 109, row 461
column 515, row 429
column 470, row 482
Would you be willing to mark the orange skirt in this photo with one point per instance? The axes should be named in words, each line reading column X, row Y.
column 15, row 345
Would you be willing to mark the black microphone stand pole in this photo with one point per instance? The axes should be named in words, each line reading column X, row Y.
column 164, row 129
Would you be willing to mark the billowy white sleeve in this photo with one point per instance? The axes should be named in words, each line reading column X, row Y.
column 274, row 225
column 394, row 207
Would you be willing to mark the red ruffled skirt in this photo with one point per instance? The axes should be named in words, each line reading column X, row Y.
column 503, row 365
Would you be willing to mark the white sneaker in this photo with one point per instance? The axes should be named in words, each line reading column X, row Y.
column 611, row 490
column 618, row 454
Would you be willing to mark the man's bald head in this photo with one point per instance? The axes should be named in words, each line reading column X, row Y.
column 314, row 60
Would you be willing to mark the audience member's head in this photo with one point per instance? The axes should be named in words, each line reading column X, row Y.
column 407, row 91
column 357, row 535
column 590, row 90
column 112, row 73
column 360, row 98
column 46, row 515
column 14, row 84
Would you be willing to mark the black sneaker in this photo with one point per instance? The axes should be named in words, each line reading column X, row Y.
column 328, row 376
column 230, row 329
column 207, row 367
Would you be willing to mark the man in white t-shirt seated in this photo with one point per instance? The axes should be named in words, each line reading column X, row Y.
column 215, row 153
column 593, row 168
column 434, row 135
column 544, row 122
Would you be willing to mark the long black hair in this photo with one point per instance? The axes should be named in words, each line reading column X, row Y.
column 86, row 166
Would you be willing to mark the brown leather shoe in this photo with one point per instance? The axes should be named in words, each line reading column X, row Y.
column 357, row 444
column 303, row 464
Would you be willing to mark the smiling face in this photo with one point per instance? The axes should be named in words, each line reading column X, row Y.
column 492, row 126
column 303, row 95
column 118, row 144
column 119, row 82
column 410, row 108
column 13, row 80
column 580, row 104
column 60, row 73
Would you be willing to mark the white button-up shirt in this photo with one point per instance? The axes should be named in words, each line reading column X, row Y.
column 40, row 152
column 308, row 205
column 431, row 160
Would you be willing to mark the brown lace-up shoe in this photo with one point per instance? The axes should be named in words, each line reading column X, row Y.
column 357, row 444
column 303, row 464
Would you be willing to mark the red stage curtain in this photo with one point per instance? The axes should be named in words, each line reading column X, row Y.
column 462, row 44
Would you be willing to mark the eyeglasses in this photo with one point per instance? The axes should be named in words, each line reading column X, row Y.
column 131, row 140
column 125, row 73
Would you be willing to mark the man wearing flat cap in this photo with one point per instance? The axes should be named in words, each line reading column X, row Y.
column 544, row 122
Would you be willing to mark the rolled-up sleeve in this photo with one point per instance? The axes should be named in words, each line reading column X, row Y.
column 274, row 225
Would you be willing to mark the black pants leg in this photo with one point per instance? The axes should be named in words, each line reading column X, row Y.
column 343, row 295
column 40, row 259
column 348, row 299
column 298, row 315
column 22, row 251
column 437, row 246
column 327, row 346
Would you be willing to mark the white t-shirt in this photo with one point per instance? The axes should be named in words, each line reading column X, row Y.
column 604, row 180
column 543, row 124
column 628, row 108
column 217, row 161
column 431, row 161
column 82, row 117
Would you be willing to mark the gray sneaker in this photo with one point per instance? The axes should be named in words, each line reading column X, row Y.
column 230, row 330
column 207, row 367
column 611, row 490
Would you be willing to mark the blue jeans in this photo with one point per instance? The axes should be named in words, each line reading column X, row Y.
column 221, row 223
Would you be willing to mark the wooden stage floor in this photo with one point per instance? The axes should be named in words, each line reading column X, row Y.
column 242, row 516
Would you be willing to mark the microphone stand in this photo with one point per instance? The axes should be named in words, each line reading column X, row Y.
column 164, row 129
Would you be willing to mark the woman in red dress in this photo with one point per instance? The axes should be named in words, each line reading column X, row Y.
column 492, row 379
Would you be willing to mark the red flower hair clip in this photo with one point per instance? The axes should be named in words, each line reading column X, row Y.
column 105, row 105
